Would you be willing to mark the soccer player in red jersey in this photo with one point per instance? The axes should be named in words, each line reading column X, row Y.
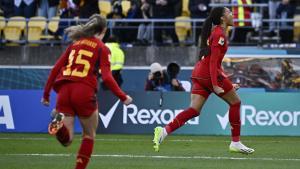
column 74, row 78
column 207, row 77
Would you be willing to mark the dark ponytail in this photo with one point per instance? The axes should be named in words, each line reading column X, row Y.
column 206, row 30
column 213, row 18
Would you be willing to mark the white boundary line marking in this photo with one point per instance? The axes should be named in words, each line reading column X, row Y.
column 108, row 139
column 139, row 140
column 163, row 157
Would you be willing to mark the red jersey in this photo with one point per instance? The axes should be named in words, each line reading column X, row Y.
column 210, row 65
column 81, row 63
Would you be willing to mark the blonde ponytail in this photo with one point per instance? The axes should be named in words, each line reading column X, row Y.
column 95, row 25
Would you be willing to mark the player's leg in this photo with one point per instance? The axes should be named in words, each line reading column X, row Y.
column 198, row 98
column 233, row 100
column 196, row 104
column 86, row 107
column 63, row 122
column 89, row 126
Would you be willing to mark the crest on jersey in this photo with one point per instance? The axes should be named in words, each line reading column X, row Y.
column 221, row 41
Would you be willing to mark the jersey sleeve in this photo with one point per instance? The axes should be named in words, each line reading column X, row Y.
column 218, row 41
column 62, row 61
column 213, row 64
column 107, row 77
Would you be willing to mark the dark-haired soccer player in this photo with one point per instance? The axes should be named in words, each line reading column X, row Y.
column 207, row 77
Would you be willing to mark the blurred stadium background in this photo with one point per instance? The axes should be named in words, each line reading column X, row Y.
column 263, row 57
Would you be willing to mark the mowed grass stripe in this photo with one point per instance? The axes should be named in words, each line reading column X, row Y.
column 162, row 157
column 142, row 140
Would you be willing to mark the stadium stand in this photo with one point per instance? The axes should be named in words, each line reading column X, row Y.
column 36, row 26
column 53, row 24
column 182, row 27
column 186, row 31
column 14, row 28
column 125, row 6
column 2, row 23
column 185, row 8
column 297, row 28
column 105, row 7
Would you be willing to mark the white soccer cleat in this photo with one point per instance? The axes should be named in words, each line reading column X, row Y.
column 239, row 147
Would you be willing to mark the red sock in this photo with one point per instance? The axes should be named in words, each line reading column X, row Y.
column 180, row 119
column 84, row 153
column 235, row 121
column 63, row 135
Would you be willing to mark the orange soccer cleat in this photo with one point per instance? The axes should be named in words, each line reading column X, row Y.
column 56, row 123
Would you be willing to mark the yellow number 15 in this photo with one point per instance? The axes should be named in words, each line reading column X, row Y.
column 79, row 61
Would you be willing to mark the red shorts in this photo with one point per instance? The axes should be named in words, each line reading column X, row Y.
column 75, row 98
column 203, row 86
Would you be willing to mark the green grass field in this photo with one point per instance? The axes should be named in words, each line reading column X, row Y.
column 40, row 151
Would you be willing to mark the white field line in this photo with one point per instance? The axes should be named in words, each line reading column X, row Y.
column 108, row 139
column 162, row 157
column 140, row 140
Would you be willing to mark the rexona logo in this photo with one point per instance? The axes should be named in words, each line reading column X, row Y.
column 134, row 115
column 255, row 117
column 106, row 118
column 7, row 118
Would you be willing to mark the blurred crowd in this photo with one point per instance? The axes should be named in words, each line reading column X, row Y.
column 143, row 33
column 163, row 80
column 256, row 75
